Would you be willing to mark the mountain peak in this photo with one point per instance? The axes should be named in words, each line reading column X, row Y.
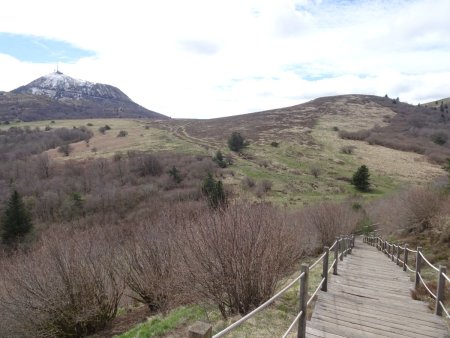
column 58, row 86
column 72, row 98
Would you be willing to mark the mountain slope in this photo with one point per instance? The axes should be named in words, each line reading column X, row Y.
column 58, row 96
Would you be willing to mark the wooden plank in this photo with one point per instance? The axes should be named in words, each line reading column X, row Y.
column 389, row 322
column 311, row 332
column 370, row 297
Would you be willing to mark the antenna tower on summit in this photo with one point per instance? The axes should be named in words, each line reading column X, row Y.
column 57, row 69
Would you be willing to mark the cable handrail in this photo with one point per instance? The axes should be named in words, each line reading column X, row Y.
column 426, row 260
column 410, row 250
column 426, row 287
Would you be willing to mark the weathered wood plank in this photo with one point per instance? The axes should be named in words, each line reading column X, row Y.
column 370, row 297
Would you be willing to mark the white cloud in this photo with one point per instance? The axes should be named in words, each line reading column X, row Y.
column 210, row 58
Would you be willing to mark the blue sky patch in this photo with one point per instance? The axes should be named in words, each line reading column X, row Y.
column 35, row 49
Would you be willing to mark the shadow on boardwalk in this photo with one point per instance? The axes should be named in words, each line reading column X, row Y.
column 371, row 298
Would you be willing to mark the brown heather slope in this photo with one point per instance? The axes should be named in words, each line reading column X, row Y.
column 401, row 126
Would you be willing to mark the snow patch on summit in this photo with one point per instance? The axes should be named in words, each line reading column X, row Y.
column 59, row 86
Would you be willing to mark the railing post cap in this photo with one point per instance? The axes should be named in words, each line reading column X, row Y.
column 304, row 267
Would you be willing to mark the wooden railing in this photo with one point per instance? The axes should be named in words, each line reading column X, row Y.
column 400, row 255
column 341, row 247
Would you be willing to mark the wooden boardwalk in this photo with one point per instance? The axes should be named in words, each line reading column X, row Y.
column 370, row 297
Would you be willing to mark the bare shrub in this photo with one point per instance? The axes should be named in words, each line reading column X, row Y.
column 65, row 149
column 149, row 263
column 147, row 164
column 315, row 171
column 389, row 214
column 348, row 150
column 236, row 257
column 66, row 288
column 248, row 182
column 262, row 188
column 330, row 219
column 43, row 166
column 266, row 185
column 422, row 205
column 359, row 135
column 122, row 133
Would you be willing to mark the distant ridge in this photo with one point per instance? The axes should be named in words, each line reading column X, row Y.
column 59, row 96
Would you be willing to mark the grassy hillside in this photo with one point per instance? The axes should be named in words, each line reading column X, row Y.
column 113, row 199
column 308, row 141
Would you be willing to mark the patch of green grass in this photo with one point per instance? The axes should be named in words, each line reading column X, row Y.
column 160, row 325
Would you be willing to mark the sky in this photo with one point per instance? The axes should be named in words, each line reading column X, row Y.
column 205, row 59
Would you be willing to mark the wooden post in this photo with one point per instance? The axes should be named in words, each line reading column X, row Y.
column 393, row 251
column 398, row 253
column 350, row 241
column 353, row 241
column 200, row 330
column 405, row 257
column 325, row 269
column 336, row 257
column 418, row 261
column 301, row 332
column 345, row 246
column 440, row 293
column 341, row 248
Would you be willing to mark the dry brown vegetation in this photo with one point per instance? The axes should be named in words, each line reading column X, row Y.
column 419, row 216
column 71, row 280
column 418, row 129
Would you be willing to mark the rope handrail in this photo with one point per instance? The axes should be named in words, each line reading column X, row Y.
column 443, row 308
column 426, row 260
column 317, row 261
column 293, row 324
column 332, row 266
column 393, row 251
column 446, row 277
column 426, row 287
column 332, row 247
column 411, row 270
column 315, row 292
column 255, row 311
column 303, row 278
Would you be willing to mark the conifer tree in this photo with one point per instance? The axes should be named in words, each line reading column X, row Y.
column 361, row 178
column 16, row 221
column 213, row 191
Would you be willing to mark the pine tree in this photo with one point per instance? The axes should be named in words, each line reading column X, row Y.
column 16, row 221
column 213, row 191
column 361, row 178
column 236, row 141
column 175, row 174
